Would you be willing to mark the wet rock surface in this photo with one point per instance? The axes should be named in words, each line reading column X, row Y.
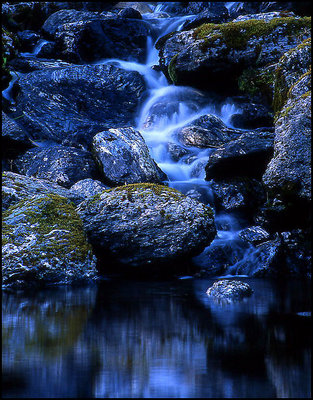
column 125, row 158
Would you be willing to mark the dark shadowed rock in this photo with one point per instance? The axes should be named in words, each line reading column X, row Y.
column 62, row 165
column 124, row 157
column 206, row 131
column 238, row 194
column 44, row 243
column 72, row 104
column 129, row 12
column 28, row 39
column 12, row 134
column 87, row 36
column 144, row 224
column 229, row 290
column 29, row 64
column 246, row 156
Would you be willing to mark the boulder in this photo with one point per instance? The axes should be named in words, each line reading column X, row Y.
column 246, row 156
column 16, row 187
column 86, row 36
column 230, row 290
column 13, row 136
column 130, row 12
column 124, row 157
column 28, row 39
column 206, row 131
column 213, row 56
column 70, row 105
column 44, row 243
column 62, row 165
column 147, row 225
column 177, row 151
column 217, row 15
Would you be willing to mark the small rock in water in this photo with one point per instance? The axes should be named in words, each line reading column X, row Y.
column 229, row 290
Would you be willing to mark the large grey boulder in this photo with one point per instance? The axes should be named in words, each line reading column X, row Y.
column 147, row 224
column 44, row 243
column 70, row 105
column 124, row 157
column 60, row 164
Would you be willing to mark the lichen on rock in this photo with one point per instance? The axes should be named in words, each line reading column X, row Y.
column 44, row 243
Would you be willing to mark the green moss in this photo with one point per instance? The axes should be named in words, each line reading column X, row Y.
column 254, row 81
column 140, row 189
column 171, row 69
column 237, row 34
column 45, row 214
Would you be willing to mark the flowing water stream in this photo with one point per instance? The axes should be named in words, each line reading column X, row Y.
column 179, row 106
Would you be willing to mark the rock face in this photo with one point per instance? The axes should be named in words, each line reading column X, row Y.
column 72, row 104
column 147, row 224
column 44, row 243
column 206, row 131
column 215, row 54
column 246, row 156
column 288, row 175
column 62, row 165
column 16, row 187
column 125, row 157
column 229, row 290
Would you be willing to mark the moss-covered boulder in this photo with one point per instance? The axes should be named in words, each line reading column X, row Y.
column 215, row 55
column 43, row 242
column 146, row 225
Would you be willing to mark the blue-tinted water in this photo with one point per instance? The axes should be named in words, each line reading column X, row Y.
column 157, row 339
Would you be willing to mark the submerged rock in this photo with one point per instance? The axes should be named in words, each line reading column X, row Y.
column 62, row 165
column 124, row 157
column 229, row 290
column 44, row 243
column 147, row 225
column 70, row 105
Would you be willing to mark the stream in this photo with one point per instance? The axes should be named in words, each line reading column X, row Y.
column 141, row 339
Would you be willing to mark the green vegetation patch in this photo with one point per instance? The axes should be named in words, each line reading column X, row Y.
column 237, row 34
column 41, row 215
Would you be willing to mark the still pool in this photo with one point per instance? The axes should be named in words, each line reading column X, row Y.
column 157, row 339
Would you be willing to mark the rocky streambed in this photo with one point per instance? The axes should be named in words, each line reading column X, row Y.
column 155, row 139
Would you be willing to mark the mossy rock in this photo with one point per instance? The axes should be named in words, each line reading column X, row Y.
column 44, row 243
column 146, row 224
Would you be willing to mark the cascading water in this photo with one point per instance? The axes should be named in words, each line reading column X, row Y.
column 180, row 106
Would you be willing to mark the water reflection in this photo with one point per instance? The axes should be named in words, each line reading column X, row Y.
column 157, row 339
